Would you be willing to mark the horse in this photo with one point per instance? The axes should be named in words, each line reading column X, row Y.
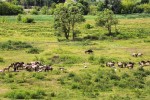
column 110, row 64
column 7, row 68
column 17, row 65
column 120, row 64
column 139, row 54
column 47, row 68
column 144, row 63
column 134, row 54
column 129, row 65
column 89, row 51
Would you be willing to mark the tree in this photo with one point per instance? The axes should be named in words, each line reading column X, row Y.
column 85, row 6
column 66, row 17
column 145, row 1
column 107, row 19
column 114, row 5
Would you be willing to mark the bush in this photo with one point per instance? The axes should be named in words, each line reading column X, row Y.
column 27, row 20
column 9, row 9
column 128, row 6
column 14, row 45
column 53, row 94
column 34, row 51
column 88, row 26
column 44, row 10
column 71, row 74
column 93, row 10
column 90, row 37
column 145, row 8
column 34, row 12
column 19, row 17
column 26, row 94
column 1, row 60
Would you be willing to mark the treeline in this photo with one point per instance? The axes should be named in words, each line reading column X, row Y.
column 91, row 7
column 30, row 3
column 121, row 6
column 9, row 9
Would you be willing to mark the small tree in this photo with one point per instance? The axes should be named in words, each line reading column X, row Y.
column 66, row 17
column 107, row 19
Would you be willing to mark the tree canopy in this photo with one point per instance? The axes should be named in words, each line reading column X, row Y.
column 66, row 17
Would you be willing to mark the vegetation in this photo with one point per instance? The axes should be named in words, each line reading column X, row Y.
column 76, row 75
column 107, row 19
column 27, row 20
column 9, row 9
column 13, row 45
column 66, row 17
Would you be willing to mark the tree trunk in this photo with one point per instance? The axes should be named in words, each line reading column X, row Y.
column 67, row 36
column 73, row 34
column 109, row 30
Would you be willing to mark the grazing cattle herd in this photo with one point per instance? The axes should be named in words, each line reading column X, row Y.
column 37, row 66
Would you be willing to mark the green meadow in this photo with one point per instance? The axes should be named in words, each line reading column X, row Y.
column 19, row 42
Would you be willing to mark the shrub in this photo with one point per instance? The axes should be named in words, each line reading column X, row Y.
column 50, row 11
column 44, row 10
column 93, row 10
column 1, row 60
column 19, row 18
column 128, row 6
column 34, row 12
column 90, row 37
column 144, row 7
column 14, row 45
column 9, row 9
column 88, row 26
column 38, row 94
column 3, row 19
column 75, row 86
column 27, row 20
column 26, row 94
column 71, row 74
column 53, row 94
column 34, row 51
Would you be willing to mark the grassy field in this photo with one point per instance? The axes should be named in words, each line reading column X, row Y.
column 97, row 81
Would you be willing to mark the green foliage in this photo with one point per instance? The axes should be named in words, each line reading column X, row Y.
column 128, row 6
column 26, row 94
column 145, row 1
column 100, row 6
column 34, row 50
column 9, row 9
column 4, row 20
column 1, row 60
column 84, row 6
column 19, row 17
column 14, row 45
column 145, row 8
column 34, row 12
column 27, row 20
column 66, row 17
column 44, row 10
column 106, row 19
column 93, row 10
